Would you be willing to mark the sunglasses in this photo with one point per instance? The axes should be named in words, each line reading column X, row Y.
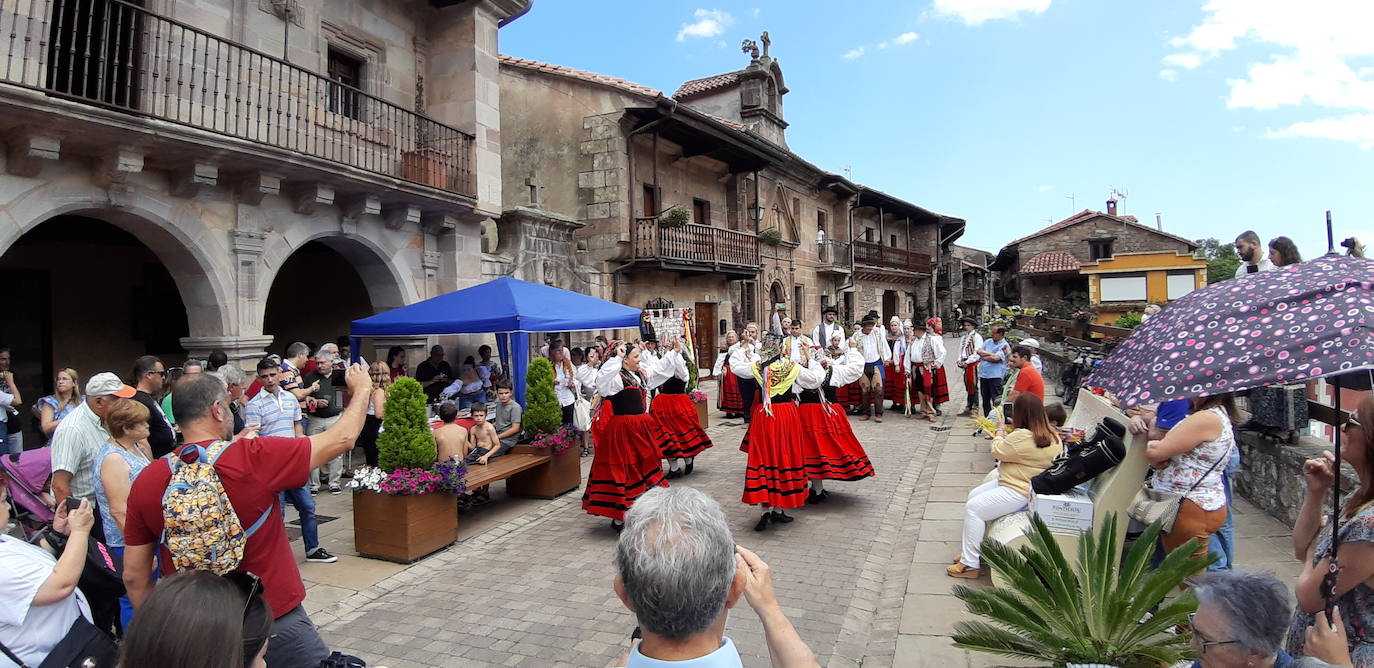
column 1353, row 423
column 248, row 583
column 160, row 373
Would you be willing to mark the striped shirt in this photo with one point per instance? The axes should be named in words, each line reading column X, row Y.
column 276, row 414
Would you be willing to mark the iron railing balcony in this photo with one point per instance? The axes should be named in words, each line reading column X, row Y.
column 119, row 56
column 833, row 256
column 694, row 247
column 877, row 255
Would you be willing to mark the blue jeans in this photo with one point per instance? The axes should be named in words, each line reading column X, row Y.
column 1223, row 543
column 466, row 401
column 15, row 441
column 126, row 607
column 300, row 498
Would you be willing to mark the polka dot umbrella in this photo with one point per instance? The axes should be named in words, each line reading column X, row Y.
column 1301, row 322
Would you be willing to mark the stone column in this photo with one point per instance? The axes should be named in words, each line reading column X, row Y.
column 245, row 351
column 463, row 89
column 248, row 344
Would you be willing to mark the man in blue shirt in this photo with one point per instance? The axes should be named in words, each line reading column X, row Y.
column 679, row 570
column 992, row 367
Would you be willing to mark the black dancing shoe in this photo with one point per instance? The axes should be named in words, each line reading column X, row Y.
column 781, row 517
column 814, row 498
column 674, row 474
column 617, row 526
column 763, row 522
column 689, row 469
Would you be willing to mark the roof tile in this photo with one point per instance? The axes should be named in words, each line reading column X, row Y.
column 1089, row 214
column 705, row 84
column 1051, row 262
column 614, row 82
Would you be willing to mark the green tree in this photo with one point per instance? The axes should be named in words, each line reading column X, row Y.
column 689, row 358
column 1221, row 259
column 406, row 440
column 542, row 414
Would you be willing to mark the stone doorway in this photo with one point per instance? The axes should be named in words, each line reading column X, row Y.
column 315, row 297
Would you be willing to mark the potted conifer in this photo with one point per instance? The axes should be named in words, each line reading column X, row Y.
column 542, row 421
column 405, row 508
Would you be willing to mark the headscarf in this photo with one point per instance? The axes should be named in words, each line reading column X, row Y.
column 936, row 325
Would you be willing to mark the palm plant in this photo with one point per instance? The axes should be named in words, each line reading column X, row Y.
column 1088, row 613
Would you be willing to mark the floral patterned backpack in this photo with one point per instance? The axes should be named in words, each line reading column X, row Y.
column 199, row 525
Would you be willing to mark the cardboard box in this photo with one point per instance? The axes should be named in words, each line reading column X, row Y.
column 1072, row 511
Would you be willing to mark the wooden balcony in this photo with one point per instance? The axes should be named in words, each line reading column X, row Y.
column 117, row 56
column 695, row 248
column 975, row 293
column 877, row 255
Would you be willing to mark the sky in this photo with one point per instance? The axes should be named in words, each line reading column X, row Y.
column 1221, row 115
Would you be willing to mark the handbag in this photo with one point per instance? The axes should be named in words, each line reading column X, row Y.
column 1152, row 506
column 1103, row 451
column 582, row 414
column 84, row 646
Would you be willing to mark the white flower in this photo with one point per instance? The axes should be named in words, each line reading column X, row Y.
column 368, row 478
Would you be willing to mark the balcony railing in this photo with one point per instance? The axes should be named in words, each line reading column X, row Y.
column 701, row 245
column 116, row 55
column 833, row 253
column 976, row 293
column 877, row 255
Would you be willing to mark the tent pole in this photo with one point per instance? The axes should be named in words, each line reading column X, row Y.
column 1333, row 568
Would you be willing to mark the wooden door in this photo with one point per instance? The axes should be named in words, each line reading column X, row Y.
column 705, row 335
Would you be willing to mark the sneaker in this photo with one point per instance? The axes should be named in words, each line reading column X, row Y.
column 319, row 556
column 335, row 489
column 314, row 489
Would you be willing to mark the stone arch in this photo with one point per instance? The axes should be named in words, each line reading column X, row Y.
column 382, row 269
column 176, row 237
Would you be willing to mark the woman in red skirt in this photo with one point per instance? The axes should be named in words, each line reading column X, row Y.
column 629, row 441
column 729, row 400
column 828, row 443
column 894, row 373
column 678, row 415
column 775, row 478
column 927, row 355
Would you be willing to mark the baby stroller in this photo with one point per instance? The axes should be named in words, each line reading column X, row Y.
column 28, row 474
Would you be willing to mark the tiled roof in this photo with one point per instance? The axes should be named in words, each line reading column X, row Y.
column 705, row 84
column 613, row 82
column 1051, row 262
column 1089, row 214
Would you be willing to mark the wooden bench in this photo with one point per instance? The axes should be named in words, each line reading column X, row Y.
column 529, row 472
column 1112, row 491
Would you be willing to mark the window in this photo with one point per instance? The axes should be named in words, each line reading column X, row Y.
column 701, row 212
column 798, row 301
column 892, row 240
column 348, row 71
column 1100, row 249
column 1124, row 289
column 746, row 302
column 868, row 234
column 650, row 200
column 820, row 220
column 1181, row 284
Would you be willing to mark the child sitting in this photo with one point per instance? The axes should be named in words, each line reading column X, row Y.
column 482, row 438
column 1055, row 413
column 450, row 439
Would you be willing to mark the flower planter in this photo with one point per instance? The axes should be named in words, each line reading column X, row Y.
column 427, row 166
column 403, row 528
column 704, row 414
column 561, row 475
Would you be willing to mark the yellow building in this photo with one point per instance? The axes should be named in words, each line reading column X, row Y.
column 1128, row 281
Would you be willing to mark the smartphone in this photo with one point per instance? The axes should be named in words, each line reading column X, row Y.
column 1006, row 411
column 73, row 503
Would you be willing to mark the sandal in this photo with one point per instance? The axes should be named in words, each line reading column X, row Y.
column 962, row 571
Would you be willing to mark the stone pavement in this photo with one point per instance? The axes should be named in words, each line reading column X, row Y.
column 529, row 582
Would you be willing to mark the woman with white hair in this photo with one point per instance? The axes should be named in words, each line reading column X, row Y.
column 1241, row 619
column 894, row 372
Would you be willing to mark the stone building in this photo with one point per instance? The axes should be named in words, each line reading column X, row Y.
column 238, row 174
column 695, row 198
column 964, row 281
column 1048, row 265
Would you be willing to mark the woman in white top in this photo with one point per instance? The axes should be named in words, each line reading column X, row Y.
column 376, row 410
column 39, row 600
column 1189, row 460
column 678, row 416
column 590, row 363
column 741, row 363
column 926, row 358
column 565, row 385
column 728, row 398
column 828, row 444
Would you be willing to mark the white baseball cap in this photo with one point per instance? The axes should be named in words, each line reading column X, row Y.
column 1030, row 343
column 107, row 384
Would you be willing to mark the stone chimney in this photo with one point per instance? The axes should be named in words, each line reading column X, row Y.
column 1111, row 207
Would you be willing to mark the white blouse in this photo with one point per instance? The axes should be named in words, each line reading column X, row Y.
column 654, row 370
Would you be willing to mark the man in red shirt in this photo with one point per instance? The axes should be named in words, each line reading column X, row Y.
column 253, row 472
column 1028, row 379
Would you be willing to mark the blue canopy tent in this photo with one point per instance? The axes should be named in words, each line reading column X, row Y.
column 503, row 307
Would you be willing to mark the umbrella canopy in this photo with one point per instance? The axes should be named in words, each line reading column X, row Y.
column 1296, row 323
column 502, row 305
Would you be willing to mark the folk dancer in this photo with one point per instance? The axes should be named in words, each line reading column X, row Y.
column 894, row 372
column 969, row 346
column 796, row 345
column 928, row 369
column 728, row 400
column 821, row 333
column 873, row 346
column 828, row 444
column 678, row 415
column 629, row 441
column 775, row 478
column 742, row 365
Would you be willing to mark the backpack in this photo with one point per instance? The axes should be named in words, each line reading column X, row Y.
column 1102, row 451
column 199, row 525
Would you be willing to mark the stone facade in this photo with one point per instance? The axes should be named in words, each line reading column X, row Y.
column 208, row 196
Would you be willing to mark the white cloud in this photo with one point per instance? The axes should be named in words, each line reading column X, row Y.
column 755, row 12
column 1310, row 54
column 1045, row 188
column 974, row 12
column 1168, row 74
column 853, row 53
column 905, row 38
column 1355, row 128
column 882, row 45
column 709, row 23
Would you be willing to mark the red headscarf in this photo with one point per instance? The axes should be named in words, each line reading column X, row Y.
column 935, row 325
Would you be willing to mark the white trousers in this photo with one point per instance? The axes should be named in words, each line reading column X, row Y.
column 986, row 503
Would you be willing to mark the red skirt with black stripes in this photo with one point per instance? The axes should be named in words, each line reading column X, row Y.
column 730, row 400
column 678, row 416
column 850, row 395
column 934, row 384
column 831, row 451
column 625, row 463
column 776, row 473
column 894, row 383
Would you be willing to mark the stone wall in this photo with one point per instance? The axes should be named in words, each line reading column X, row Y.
column 1271, row 473
column 1126, row 238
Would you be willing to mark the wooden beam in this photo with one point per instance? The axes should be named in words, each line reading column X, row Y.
column 1327, row 414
